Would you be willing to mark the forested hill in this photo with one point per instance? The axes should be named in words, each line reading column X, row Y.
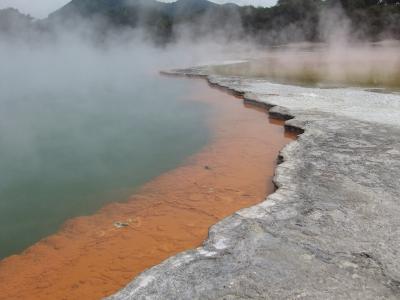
column 288, row 21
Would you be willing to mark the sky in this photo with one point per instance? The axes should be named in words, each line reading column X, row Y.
column 41, row 8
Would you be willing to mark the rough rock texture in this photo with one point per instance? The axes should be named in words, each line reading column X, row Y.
column 332, row 229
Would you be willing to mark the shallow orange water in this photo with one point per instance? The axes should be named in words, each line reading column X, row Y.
column 90, row 257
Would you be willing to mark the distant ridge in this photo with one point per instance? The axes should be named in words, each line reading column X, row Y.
column 288, row 21
column 159, row 20
column 91, row 7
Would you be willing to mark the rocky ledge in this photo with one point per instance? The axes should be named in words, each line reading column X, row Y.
column 332, row 228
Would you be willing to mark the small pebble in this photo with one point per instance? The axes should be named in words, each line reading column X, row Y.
column 120, row 224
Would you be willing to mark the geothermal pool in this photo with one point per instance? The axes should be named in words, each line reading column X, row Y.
column 236, row 148
column 70, row 146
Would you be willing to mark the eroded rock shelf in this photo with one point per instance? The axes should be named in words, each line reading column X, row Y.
column 332, row 228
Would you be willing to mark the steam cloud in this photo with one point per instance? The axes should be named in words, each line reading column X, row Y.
column 75, row 61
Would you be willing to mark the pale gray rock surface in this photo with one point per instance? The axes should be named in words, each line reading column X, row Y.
column 330, row 231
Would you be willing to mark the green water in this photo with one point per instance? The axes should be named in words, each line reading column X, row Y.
column 72, row 141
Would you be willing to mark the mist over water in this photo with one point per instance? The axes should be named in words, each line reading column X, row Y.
column 85, row 118
column 82, row 126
